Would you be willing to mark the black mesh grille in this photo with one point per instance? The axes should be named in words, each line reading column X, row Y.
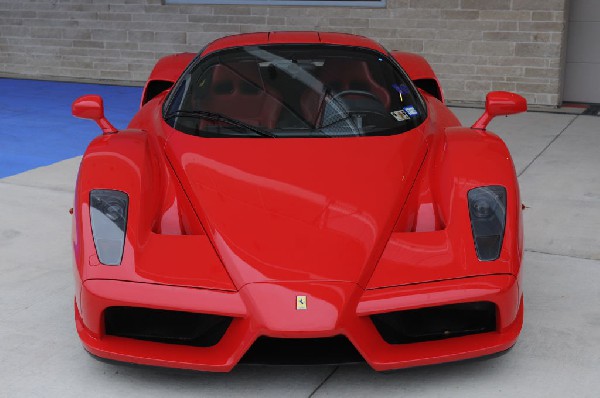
column 330, row 350
column 172, row 327
column 436, row 323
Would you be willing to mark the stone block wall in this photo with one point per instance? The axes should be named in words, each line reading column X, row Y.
column 473, row 45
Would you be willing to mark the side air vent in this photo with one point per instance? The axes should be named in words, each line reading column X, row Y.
column 171, row 327
column 436, row 323
column 430, row 86
column 154, row 88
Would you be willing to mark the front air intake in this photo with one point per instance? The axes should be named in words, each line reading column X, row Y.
column 436, row 323
column 163, row 326
column 308, row 351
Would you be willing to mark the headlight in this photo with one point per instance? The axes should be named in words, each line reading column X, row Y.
column 487, row 209
column 108, row 213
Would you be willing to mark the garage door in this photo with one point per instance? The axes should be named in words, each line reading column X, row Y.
column 582, row 78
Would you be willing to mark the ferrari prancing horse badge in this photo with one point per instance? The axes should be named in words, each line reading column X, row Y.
column 300, row 302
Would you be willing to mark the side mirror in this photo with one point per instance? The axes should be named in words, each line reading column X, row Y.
column 500, row 103
column 92, row 107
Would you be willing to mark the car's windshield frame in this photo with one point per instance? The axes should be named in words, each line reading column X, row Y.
column 206, row 60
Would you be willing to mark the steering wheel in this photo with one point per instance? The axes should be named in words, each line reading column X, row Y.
column 376, row 106
column 341, row 112
column 364, row 93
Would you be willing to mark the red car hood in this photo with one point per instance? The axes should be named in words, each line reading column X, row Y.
column 298, row 209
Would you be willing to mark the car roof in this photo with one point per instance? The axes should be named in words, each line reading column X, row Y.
column 308, row 37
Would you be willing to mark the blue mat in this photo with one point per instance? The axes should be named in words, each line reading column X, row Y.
column 36, row 125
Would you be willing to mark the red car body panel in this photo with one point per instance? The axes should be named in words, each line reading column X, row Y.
column 419, row 70
column 166, row 71
column 314, row 210
column 241, row 227
column 169, row 68
column 340, row 39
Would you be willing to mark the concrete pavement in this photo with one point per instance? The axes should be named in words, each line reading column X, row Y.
column 557, row 355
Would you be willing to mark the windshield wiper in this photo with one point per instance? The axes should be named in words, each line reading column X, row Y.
column 220, row 118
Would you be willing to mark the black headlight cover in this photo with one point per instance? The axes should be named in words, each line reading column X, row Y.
column 108, row 215
column 487, row 210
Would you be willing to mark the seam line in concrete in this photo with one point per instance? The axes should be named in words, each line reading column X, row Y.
column 324, row 381
column 547, row 146
column 561, row 255
column 15, row 184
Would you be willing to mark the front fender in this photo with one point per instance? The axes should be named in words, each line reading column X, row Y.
column 123, row 162
column 464, row 159
column 474, row 158
column 164, row 241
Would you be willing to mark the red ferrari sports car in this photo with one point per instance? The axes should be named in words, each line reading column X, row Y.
column 296, row 196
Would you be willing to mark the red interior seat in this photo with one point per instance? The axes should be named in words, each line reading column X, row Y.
column 238, row 92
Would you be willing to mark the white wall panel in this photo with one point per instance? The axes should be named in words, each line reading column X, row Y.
column 582, row 74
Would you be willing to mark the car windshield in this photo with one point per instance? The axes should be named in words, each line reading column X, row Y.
column 294, row 91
